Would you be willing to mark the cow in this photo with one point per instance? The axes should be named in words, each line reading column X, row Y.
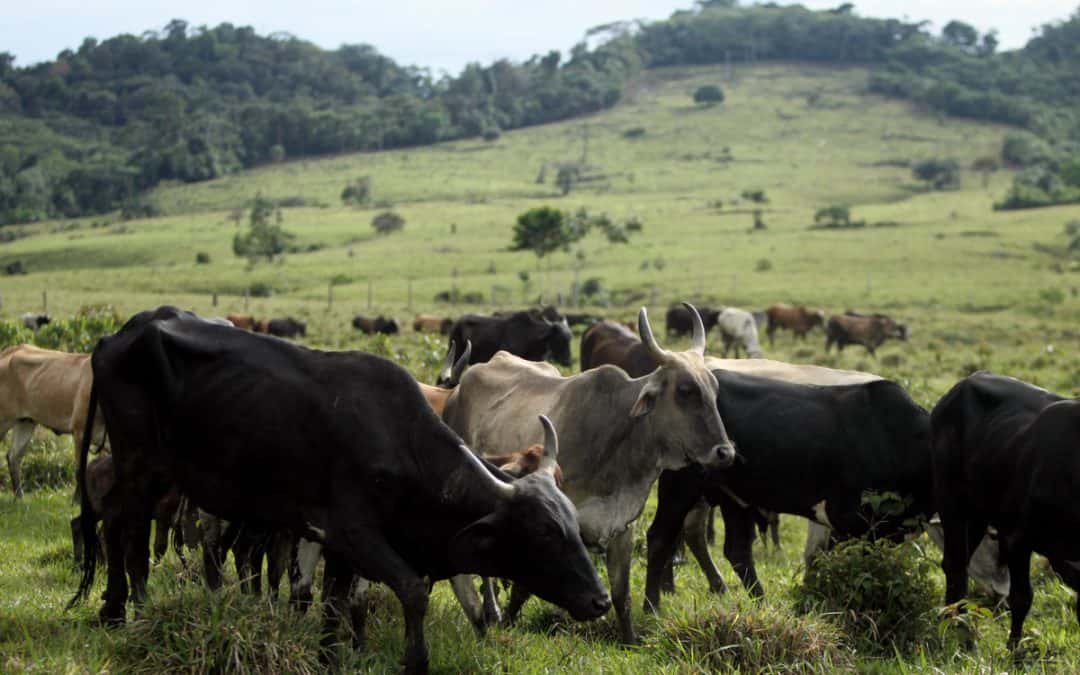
column 619, row 433
column 285, row 328
column 532, row 335
column 450, row 374
column 35, row 321
column 679, row 321
column 428, row 323
column 798, row 320
column 244, row 321
column 41, row 386
column 612, row 343
column 348, row 454
column 738, row 330
column 379, row 324
column 582, row 319
column 857, row 329
column 1005, row 454
column 806, row 450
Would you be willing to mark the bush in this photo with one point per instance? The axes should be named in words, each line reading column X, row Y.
column 358, row 192
column 387, row 222
column 881, row 594
column 81, row 332
column 756, row 196
column 633, row 132
column 1025, row 149
column 260, row 289
column 202, row 258
column 491, row 134
column 939, row 174
column 592, row 286
column 763, row 265
column 708, row 95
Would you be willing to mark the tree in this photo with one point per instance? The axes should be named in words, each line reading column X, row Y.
column 387, row 222
column 961, row 35
column 708, row 95
column 542, row 230
column 986, row 165
column 358, row 192
column 938, row 174
column 567, row 178
column 263, row 239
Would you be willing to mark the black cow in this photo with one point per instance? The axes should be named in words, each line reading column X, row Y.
column 1007, row 454
column 678, row 320
column 807, row 450
column 379, row 324
column 286, row 328
column 35, row 321
column 341, row 447
column 532, row 335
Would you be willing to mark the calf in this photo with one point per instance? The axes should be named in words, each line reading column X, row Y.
column 286, row 328
column 35, row 321
column 739, row 330
column 857, row 329
column 379, row 324
column 798, row 319
column 1005, row 455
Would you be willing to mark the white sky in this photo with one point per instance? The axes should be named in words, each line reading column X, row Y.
column 442, row 34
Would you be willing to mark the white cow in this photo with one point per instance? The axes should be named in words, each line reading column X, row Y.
column 738, row 329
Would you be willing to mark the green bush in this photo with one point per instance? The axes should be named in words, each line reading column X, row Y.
column 881, row 595
column 708, row 94
column 260, row 289
column 202, row 258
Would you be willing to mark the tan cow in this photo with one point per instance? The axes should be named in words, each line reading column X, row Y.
column 41, row 386
column 245, row 321
column 800, row 320
column 431, row 323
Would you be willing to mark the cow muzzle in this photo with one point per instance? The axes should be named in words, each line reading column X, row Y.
column 722, row 456
column 594, row 608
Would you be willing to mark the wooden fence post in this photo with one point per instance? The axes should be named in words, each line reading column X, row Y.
column 213, row 299
column 44, row 302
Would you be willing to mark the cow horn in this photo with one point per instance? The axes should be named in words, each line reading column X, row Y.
column 461, row 364
column 697, row 342
column 505, row 491
column 551, row 446
column 447, row 370
column 645, row 331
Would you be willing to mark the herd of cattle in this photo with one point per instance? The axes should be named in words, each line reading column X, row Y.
column 272, row 450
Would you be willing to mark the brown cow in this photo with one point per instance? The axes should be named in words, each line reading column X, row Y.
column 800, row 320
column 245, row 321
column 523, row 462
column 424, row 323
column 41, row 386
column 613, row 343
column 858, row 329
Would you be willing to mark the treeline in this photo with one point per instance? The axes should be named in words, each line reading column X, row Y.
column 95, row 128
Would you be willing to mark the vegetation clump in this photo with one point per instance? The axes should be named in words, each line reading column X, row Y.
column 708, row 95
column 388, row 222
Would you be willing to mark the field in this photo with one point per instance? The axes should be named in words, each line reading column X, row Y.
column 978, row 289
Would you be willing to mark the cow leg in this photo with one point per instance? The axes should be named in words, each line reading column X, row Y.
column 677, row 494
column 774, row 528
column 956, row 556
column 213, row 552
column 619, row 552
column 358, row 608
column 769, row 332
column 306, row 556
column 738, row 544
column 694, row 528
column 161, row 538
column 710, row 524
column 77, row 543
column 138, row 552
column 1019, row 589
column 519, row 595
column 277, row 561
column 116, row 589
column 492, row 615
column 337, row 577
column 465, row 590
column 20, row 441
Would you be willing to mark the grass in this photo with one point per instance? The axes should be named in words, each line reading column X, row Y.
column 978, row 289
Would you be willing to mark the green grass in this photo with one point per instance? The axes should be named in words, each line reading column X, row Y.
column 978, row 289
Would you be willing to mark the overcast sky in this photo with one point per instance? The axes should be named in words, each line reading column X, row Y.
column 442, row 34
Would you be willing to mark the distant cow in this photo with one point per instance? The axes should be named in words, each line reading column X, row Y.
column 582, row 319
column 533, row 335
column 679, row 321
column 738, row 330
column 340, row 447
column 610, row 342
column 41, row 386
column 798, row 320
column 245, row 321
column 286, row 328
column 1005, row 454
column 35, row 321
column 379, row 324
column 425, row 323
column 856, row 329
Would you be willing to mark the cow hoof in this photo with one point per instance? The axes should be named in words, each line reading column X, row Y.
column 111, row 619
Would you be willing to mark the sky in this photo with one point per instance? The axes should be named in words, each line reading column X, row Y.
column 444, row 35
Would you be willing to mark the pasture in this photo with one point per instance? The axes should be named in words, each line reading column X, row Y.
column 979, row 290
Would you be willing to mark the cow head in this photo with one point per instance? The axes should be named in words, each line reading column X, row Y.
column 452, row 370
column 679, row 402
column 532, row 537
column 817, row 317
column 558, row 340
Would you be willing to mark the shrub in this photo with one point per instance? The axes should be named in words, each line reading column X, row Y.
column 358, row 192
column 387, row 222
column 491, row 134
column 763, row 265
column 708, row 95
column 1025, row 149
column 939, row 174
column 260, row 289
column 881, row 594
column 139, row 207
column 592, row 286
column 1052, row 296
column 202, row 258
column 757, row 196
column 633, row 132
column 567, row 178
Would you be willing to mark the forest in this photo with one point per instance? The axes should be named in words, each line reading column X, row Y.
column 94, row 129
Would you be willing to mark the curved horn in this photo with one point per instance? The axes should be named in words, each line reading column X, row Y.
column 503, row 490
column 461, row 364
column 550, row 446
column 645, row 331
column 697, row 342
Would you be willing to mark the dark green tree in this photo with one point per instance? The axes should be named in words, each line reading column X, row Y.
column 263, row 238
column 938, row 174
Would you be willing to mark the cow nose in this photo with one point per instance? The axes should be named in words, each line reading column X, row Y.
column 602, row 604
column 724, row 455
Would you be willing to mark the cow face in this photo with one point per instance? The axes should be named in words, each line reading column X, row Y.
column 558, row 342
column 679, row 400
column 533, row 538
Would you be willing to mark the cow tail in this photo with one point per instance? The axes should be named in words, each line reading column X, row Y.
column 87, row 517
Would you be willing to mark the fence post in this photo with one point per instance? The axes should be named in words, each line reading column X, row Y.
column 213, row 299
column 44, row 302
column 410, row 295
column 369, row 282
column 247, row 293
column 329, row 295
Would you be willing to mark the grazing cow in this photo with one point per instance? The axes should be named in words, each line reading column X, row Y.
column 379, row 324
column 1005, row 454
column 532, row 335
column 41, row 386
column 429, row 323
column 798, row 320
column 582, row 319
column 348, row 454
column 100, row 478
column 612, row 343
column 285, row 328
column 857, row 329
column 244, row 321
column 679, row 321
column 619, row 434
column 34, row 321
column 738, row 329
column 807, row 450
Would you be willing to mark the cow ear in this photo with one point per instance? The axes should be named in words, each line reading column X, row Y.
column 475, row 548
column 646, row 400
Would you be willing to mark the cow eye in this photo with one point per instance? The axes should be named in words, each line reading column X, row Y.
column 686, row 389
